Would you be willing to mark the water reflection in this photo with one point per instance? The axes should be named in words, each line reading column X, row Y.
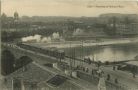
column 106, row 53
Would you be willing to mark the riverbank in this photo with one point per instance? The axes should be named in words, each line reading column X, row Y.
column 86, row 43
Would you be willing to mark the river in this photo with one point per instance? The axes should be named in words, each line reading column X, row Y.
column 105, row 53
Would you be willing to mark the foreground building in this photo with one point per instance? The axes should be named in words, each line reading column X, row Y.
column 35, row 77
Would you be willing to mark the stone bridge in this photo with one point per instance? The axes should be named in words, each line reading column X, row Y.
column 35, row 56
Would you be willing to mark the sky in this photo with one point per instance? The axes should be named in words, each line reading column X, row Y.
column 74, row 8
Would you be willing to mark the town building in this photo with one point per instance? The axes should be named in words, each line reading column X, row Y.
column 123, row 29
column 127, row 29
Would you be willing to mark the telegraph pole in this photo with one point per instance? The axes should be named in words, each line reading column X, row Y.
column 0, row 38
column 70, row 56
column 82, row 53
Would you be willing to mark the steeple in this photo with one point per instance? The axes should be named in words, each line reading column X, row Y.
column 16, row 16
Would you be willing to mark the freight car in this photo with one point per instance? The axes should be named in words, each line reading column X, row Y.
column 50, row 52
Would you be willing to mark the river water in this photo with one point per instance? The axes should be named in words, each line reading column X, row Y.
column 105, row 53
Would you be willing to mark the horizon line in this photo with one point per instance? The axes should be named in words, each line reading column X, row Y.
column 65, row 15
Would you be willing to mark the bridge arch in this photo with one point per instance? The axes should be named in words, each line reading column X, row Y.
column 22, row 61
column 7, row 62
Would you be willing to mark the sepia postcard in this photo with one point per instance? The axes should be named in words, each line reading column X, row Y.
column 69, row 45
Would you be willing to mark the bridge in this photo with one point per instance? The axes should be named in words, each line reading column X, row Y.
column 38, row 55
column 20, row 52
column 44, row 59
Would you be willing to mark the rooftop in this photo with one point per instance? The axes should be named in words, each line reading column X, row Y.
column 34, row 74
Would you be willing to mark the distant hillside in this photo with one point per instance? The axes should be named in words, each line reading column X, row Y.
column 120, row 17
column 56, row 19
column 62, row 19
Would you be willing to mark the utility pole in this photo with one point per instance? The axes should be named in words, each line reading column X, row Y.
column 74, row 57
column 22, row 85
column 12, row 83
column 0, row 36
column 70, row 57
column 82, row 53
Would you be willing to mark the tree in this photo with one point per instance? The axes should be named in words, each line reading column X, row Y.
column 7, row 61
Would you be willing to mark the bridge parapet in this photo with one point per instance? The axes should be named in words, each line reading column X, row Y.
column 36, row 56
